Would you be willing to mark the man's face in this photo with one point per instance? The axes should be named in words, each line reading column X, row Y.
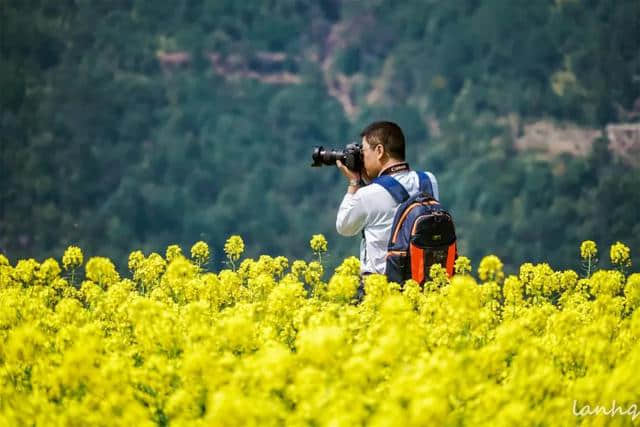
column 371, row 159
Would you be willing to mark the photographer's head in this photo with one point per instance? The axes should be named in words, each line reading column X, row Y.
column 382, row 146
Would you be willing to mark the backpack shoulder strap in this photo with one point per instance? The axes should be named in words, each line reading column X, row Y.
column 389, row 183
column 425, row 183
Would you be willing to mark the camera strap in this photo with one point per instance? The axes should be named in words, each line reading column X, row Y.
column 399, row 167
column 395, row 169
column 365, row 246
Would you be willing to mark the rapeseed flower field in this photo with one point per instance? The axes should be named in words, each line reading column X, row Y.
column 271, row 341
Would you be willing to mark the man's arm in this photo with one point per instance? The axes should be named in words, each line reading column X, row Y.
column 351, row 214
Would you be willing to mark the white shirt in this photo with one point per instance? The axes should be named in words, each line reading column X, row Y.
column 372, row 208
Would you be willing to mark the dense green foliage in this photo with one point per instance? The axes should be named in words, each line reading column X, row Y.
column 107, row 146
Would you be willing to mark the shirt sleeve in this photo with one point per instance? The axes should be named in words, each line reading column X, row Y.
column 352, row 215
column 434, row 185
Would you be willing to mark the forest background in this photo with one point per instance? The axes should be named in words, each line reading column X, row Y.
column 135, row 124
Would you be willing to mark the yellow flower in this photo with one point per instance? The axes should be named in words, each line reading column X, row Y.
column 135, row 260
column 490, row 269
column 568, row 280
column 26, row 270
column 180, row 270
column 632, row 292
column 200, row 252
column 49, row 271
column 462, row 265
column 588, row 249
column 377, row 288
column 438, row 275
column 72, row 258
column 280, row 264
column 350, row 266
column 234, row 247
column 173, row 252
column 619, row 254
column 60, row 285
column 318, row 243
column 265, row 265
column 605, row 282
column 298, row 268
column 342, row 287
column 102, row 271
column 148, row 270
column 512, row 290
column 3, row 260
column 321, row 345
column 313, row 273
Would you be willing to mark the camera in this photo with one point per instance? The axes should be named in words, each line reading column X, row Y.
column 350, row 156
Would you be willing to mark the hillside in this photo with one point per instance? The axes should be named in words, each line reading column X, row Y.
column 142, row 124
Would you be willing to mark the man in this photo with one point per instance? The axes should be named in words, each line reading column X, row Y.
column 370, row 209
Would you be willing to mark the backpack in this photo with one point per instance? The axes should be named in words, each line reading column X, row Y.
column 422, row 233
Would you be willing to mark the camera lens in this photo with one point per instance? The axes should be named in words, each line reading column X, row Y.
column 317, row 157
column 321, row 156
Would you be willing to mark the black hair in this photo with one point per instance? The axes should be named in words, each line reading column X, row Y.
column 389, row 135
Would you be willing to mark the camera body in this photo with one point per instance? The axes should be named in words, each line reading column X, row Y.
column 350, row 156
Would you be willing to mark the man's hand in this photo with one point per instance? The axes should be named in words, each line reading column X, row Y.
column 353, row 177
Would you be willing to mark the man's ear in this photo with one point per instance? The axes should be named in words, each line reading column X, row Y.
column 380, row 152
